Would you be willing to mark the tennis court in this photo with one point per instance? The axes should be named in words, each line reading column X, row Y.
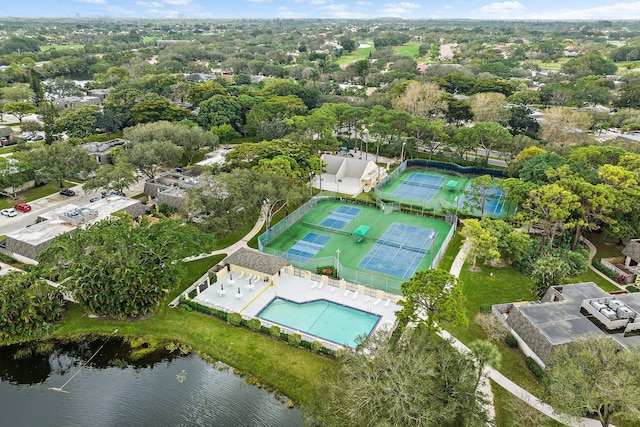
column 353, row 248
column 400, row 250
column 493, row 202
column 306, row 248
column 430, row 189
column 419, row 186
column 342, row 216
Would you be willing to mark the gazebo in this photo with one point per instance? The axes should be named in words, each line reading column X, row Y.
column 361, row 231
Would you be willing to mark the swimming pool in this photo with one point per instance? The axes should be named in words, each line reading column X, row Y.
column 322, row 318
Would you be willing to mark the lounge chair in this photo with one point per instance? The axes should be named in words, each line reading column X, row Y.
column 313, row 285
column 387, row 302
column 367, row 299
column 345, row 293
column 250, row 287
column 377, row 301
column 355, row 295
column 320, row 285
column 333, row 289
column 241, row 275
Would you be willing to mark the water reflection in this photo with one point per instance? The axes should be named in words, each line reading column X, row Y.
column 112, row 389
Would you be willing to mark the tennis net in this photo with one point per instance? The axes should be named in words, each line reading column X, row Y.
column 327, row 229
column 401, row 246
column 423, row 184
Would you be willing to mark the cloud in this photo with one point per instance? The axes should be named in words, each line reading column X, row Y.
column 260, row 1
column 623, row 10
column 92, row 1
column 341, row 11
column 403, row 9
column 364, row 3
column 177, row 2
column 290, row 14
column 447, row 6
column 502, row 7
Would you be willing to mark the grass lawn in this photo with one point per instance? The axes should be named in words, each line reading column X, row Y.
column 9, row 149
column 358, row 54
column 550, row 65
column 409, row 49
column 605, row 249
column 495, row 285
column 505, row 403
column 452, row 250
column 32, row 194
column 592, row 276
column 297, row 373
column 149, row 39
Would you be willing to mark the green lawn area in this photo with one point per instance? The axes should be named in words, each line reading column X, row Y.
column 505, row 403
column 605, row 249
column 452, row 250
column 550, row 65
column 409, row 49
column 149, row 39
column 32, row 194
column 359, row 53
column 296, row 372
column 495, row 285
column 61, row 47
column 592, row 276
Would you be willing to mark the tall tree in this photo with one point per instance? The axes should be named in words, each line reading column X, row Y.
column 485, row 354
column 482, row 244
column 489, row 107
column 149, row 156
column 117, row 176
column 53, row 163
column 78, row 122
column 594, row 376
column 422, row 99
column 432, row 297
column 19, row 109
column 120, row 268
column 375, row 388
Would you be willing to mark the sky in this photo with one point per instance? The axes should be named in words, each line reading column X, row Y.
column 345, row 9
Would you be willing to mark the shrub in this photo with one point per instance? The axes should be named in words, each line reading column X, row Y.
column 254, row 324
column 511, row 341
column 491, row 325
column 535, row 368
column 632, row 289
column 294, row 339
column 316, row 345
column 234, row 318
column 275, row 331
column 485, row 308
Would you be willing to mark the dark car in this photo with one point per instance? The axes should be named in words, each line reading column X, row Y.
column 112, row 193
column 68, row 192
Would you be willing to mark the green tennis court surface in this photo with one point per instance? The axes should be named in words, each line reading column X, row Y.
column 354, row 247
column 431, row 189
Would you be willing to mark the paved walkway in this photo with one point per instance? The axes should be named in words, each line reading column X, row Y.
column 242, row 243
column 592, row 254
column 505, row 382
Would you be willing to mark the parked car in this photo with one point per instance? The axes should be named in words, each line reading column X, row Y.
column 68, row 192
column 37, row 138
column 22, row 207
column 94, row 199
column 112, row 193
column 9, row 212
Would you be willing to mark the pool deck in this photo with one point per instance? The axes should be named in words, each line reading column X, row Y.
column 293, row 288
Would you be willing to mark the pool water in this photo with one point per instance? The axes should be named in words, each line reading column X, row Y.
column 322, row 318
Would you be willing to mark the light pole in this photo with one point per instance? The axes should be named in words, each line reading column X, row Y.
column 338, row 187
column 456, row 199
column 338, row 266
column 310, row 186
column 402, row 152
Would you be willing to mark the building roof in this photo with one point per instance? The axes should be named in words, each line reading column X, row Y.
column 632, row 249
column 561, row 321
column 256, row 261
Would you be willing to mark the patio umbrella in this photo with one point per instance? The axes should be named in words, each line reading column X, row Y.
column 221, row 287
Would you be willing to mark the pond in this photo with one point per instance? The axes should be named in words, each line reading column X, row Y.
column 162, row 388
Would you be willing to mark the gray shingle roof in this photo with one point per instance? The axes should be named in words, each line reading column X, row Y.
column 256, row 261
column 632, row 250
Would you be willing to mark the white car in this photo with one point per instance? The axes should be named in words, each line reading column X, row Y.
column 9, row 212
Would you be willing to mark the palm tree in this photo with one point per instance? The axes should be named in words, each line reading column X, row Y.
column 486, row 354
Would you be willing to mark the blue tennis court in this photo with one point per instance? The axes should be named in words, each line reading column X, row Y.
column 419, row 186
column 340, row 217
column 307, row 247
column 400, row 250
column 493, row 202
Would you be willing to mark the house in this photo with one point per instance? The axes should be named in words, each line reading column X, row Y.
column 348, row 174
column 99, row 93
column 77, row 101
column 570, row 312
column 26, row 243
column 101, row 150
column 169, row 188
